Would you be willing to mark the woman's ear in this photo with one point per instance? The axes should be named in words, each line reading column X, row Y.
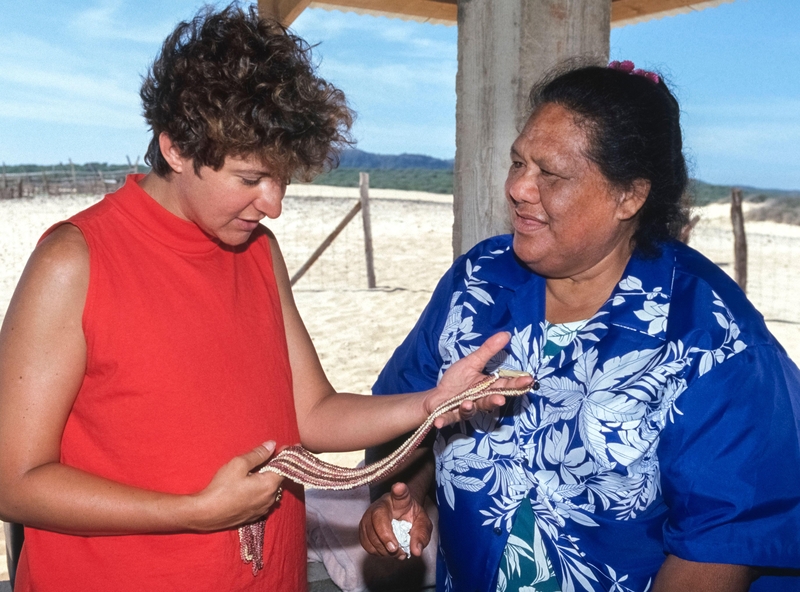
column 632, row 199
column 171, row 153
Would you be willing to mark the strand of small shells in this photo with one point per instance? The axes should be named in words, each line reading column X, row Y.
column 299, row 465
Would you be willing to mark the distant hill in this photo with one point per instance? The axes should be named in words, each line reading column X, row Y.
column 705, row 193
column 430, row 180
column 358, row 159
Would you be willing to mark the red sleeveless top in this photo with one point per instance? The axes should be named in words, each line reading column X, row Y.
column 187, row 367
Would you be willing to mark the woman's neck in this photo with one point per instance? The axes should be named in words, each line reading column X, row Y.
column 581, row 296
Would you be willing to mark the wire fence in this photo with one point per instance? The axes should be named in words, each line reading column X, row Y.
column 411, row 237
column 773, row 268
column 411, row 243
column 63, row 180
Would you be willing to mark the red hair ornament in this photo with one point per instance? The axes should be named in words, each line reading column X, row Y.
column 628, row 67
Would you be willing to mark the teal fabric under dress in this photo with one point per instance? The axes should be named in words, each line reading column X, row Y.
column 525, row 566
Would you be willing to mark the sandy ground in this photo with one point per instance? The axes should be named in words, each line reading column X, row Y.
column 355, row 329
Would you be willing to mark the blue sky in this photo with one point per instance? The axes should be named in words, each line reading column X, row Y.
column 70, row 73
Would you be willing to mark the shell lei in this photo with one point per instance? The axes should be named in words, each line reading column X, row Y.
column 299, row 465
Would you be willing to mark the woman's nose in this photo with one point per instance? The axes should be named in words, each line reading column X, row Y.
column 523, row 187
column 270, row 199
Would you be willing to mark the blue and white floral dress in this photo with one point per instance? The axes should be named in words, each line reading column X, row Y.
column 670, row 424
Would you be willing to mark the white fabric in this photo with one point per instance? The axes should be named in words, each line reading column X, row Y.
column 332, row 519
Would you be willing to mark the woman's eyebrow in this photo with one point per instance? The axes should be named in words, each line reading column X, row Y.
column 252, row 171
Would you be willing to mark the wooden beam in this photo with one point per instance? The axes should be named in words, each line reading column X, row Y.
column 623, row 12
column 436, row 11
column 628, row 12
column 283, row 11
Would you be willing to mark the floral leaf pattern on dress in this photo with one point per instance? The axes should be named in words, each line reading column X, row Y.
column 584, row 446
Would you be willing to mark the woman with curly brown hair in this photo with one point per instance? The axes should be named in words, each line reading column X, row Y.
column 153, row 343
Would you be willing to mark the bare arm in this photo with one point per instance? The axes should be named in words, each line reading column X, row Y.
column 331, row 421
column 679, row 575
column 42, row 363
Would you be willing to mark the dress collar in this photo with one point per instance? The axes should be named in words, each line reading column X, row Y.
column 157, row 222
column 640, row 302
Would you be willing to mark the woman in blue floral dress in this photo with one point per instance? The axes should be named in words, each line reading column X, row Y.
column 659, row 449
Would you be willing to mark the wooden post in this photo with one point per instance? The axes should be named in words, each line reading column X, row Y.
column 325, row 244
column 686, row 231
column 21, row 187
column 363, row 184
column 739, row 240
column 504, row 46
column 133, row 167
column 74, row 181
column 45, row 183
column 5, row 179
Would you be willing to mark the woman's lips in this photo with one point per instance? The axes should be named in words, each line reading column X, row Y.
column 526, row 223
column 248, row 225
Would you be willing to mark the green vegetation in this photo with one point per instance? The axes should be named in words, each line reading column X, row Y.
column 91, row 167
column 783, row 210
column 431, row 180
column 703, row 194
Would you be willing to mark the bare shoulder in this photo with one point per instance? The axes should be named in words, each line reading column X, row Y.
column 270, row 235
column 278, row 263
column 64, row 248
column 56, row 277
column 62, row 257
column 274, row 247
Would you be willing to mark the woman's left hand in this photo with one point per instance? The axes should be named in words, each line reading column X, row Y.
column 464, row 374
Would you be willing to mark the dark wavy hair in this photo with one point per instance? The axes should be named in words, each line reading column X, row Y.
column 228, row 83
column 633, row 127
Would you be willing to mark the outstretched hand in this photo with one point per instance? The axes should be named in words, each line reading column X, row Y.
column 464, row 374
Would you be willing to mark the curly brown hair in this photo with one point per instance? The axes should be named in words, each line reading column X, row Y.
column 228, row 83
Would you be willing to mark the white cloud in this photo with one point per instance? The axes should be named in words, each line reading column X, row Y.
column 394, row 137
column 316, row 23
column 407, row 39
column 105, row 21
column 70, row 112
column 765, row 130
column 43, row 82
column 391, row 77
column 757, row 141
column 772, row 108
column 67, row 86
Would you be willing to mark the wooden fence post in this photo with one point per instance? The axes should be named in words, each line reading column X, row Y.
column 325, row 244
column 686, row 231
column 363, row 184
column 74, row 181
column 739, row 240
column 133, row 167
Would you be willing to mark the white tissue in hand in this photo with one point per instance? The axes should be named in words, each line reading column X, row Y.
column 402, row 532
